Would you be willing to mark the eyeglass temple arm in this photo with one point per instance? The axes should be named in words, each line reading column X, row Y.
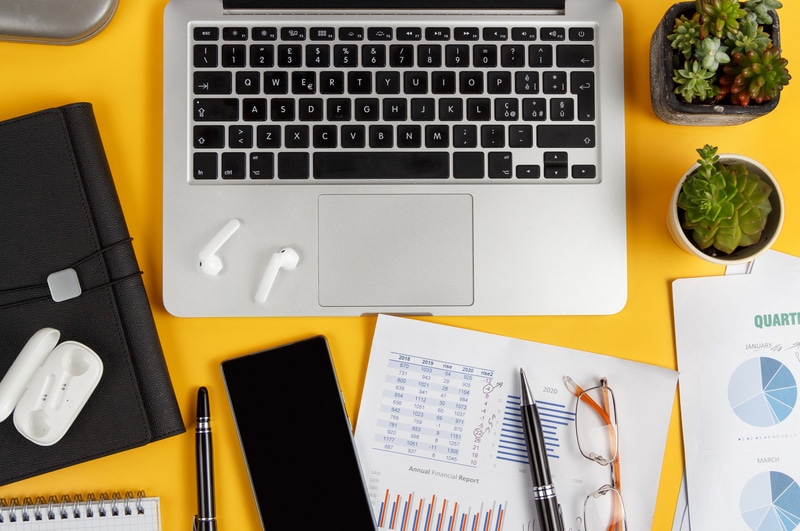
column 578, row 391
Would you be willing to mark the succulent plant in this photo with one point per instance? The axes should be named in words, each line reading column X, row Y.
column 722, row 53
column 718, row 17
column 760, row 9
column 754, row 76
column 725, row 206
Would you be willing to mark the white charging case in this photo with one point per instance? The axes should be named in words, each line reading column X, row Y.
column 47, row 386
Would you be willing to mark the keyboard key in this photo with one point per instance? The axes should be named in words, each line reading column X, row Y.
column 500, row 165
column 554, row 82
column 351, row 34
column 456, row 55
column 268, row 136
column 290, row 55
column 204, row 165
column 293, row 165
column 528, row 171
column 584, row 171
column 293, row 34
column 468, row 165
column 498, row 82
column 423, row 109
column 262, row 56
column 216, row 109
column 233, row 165
column 443, row 82
column 311, row 109
column 565, row 136
column 451, row 110
column 409, row 136
column 415, row 82
column 264, row 34
column 401, row 55
column 325, row 136
column 387, row 82
column 562, row 110
column 523, row 34
column 506, row 109
column 437, row 136
column 540, row 56
column 495, row 34
column 484, row 56
column 318, row 56
column 212, row 82
column 209, row 136
column 276, row 82
column 261, row 165
column 466, row 34
column 354, row 136
column 581, row 34
column 493, row 136
column 526, row 83
column 534, row 109
column 381, row 136
column 553, row 34
column 338, row 109
column 373, row 56
column 297, row 137
column 479, row 109
column 380, row 34
column 367, row 109
column 575, row 56
column 282, row 110
column 582, row 85
column 248, row 82
column 465, row 136
column 304, row 82
column 429, row 56
column 437, row 34
column 206, row 55
column 254, row 109
column 240, row 137
column 206, row 34
column 395, row 109
column 470, row 82
column 409, row 34
column 345, row 55
column 381, row 165
column 512, row 56
column 234, row 34
column 234, row 55
column 322, row 34
column 331, row 82
column 359, row 82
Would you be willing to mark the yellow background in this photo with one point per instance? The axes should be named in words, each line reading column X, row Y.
column 120, row 72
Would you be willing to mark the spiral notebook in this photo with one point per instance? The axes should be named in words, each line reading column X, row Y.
column 107, row 512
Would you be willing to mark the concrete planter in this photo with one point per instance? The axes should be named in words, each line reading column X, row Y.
column 669, row 107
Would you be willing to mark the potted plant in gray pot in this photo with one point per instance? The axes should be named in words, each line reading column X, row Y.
column 727, row 209
column 717, row 62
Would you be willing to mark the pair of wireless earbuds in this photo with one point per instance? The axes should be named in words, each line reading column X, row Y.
column 210, row 263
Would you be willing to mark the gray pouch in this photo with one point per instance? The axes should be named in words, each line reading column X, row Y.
column 54, row 21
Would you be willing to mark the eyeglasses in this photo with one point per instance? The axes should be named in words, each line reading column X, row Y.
column 598, row 440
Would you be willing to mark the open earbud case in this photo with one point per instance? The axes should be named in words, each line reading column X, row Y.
column 47, row 386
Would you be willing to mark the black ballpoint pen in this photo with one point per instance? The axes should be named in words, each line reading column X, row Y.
column 206, row 518
column 544, row 493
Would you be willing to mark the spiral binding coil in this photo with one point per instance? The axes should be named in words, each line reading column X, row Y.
column 63, row 508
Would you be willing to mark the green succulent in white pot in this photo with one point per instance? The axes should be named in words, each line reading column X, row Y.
column 726, row 209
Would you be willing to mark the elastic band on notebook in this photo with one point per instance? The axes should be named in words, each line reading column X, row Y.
column 64, row 285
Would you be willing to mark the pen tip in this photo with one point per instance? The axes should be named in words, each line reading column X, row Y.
column 525, row 392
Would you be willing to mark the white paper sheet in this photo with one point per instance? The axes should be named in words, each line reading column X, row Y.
column 438, row 436
column 738, row 342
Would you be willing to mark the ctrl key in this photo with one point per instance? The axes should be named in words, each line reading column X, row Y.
column 204, row 166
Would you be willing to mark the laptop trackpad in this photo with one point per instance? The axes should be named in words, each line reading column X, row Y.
column 395, row 250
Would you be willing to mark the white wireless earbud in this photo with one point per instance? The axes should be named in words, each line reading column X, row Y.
column 208, row 262
column 286, row 258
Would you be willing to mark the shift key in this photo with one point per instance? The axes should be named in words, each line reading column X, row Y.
column 565, row 136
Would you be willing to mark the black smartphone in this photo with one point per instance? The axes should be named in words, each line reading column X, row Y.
column 297, row 440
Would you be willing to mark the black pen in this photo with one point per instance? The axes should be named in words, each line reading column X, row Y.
column 206, row 518
column 544, row 494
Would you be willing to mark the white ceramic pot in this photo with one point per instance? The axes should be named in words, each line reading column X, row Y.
column 742, row 254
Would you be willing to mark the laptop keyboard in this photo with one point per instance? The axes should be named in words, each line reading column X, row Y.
column 320, row 103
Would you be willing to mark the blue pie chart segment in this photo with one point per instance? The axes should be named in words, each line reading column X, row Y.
column 771, row 502
column 762, row 392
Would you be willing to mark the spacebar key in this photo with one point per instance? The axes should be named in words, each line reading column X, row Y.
column 381, row 165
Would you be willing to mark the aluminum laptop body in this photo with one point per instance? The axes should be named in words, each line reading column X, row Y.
column 531, row 224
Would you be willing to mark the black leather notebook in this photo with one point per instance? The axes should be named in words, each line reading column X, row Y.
column 59, row 210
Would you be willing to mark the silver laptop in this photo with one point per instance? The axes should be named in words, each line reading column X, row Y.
column 349, row 157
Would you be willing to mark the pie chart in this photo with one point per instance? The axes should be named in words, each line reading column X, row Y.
column 771, row 502
column 762, row 392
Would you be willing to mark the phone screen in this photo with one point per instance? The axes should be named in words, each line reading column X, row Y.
column 297, row 440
